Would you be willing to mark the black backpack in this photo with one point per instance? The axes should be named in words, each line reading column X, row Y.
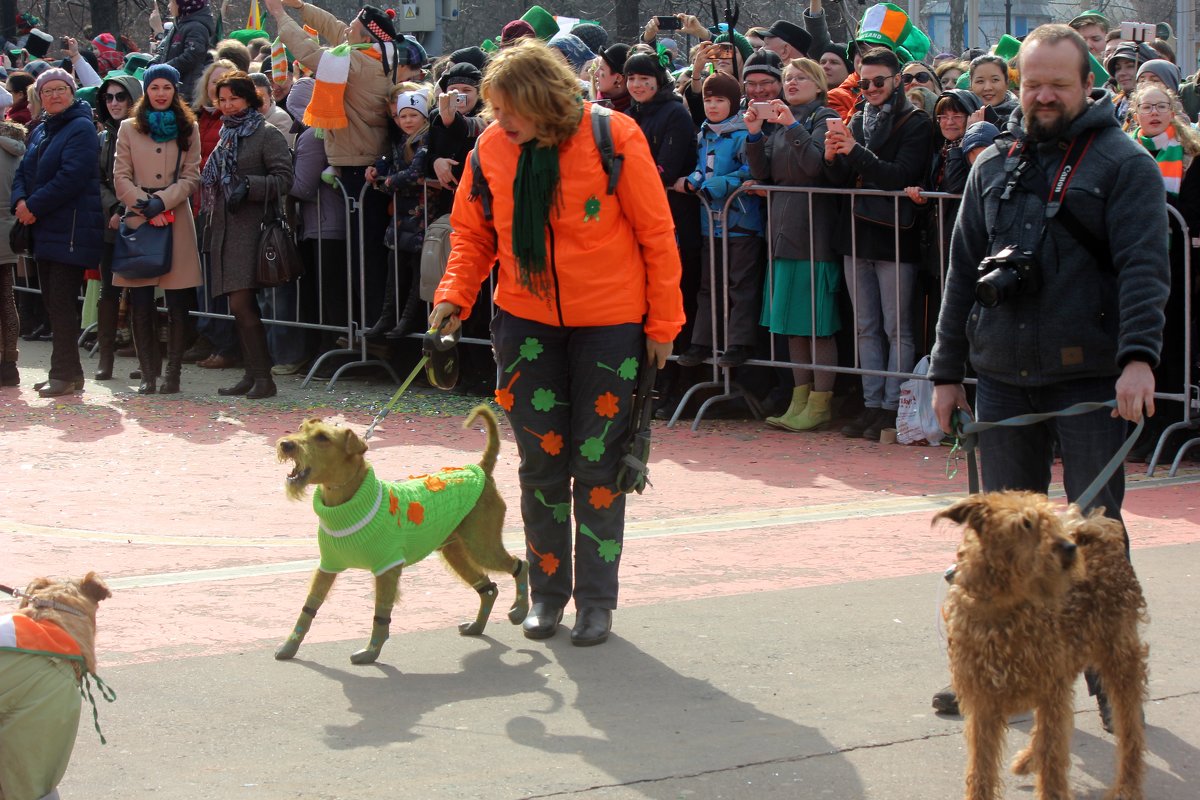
column 611, row 160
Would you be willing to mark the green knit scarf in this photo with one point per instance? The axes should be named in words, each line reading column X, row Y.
column 535, row 190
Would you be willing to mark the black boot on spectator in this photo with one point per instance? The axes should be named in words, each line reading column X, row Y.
column 106, row 337
column 855, row 427
column 145, row 337
column 885, row 419
column 177, row 334
column 735, row 356
column 693, row 356
column 387, row 315
column 258, row 361
column 414, row 316
column 9, row 375
column 200, row 350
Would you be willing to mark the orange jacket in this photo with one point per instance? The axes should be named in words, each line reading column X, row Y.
column 615, row 266
column 843, row 98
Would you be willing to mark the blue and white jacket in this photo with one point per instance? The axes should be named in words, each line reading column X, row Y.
column 721, row 167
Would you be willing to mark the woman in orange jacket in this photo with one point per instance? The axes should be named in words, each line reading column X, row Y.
column 588, row 284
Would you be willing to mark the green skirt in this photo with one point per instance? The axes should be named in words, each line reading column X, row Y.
column 788, row 309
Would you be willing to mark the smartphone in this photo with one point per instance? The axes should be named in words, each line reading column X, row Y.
column 835, row 125
column 1137, row 32
column 722, row 51
column 765, row 111
column 669, row 23
column 64, row 43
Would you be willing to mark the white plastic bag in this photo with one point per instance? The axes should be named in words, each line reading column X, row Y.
column 915, row 421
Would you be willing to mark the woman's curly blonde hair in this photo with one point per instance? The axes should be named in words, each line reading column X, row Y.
column 1188, row 136
column 533, row 81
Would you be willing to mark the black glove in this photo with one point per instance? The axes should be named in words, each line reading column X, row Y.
column 236, row 195
column 150, row 208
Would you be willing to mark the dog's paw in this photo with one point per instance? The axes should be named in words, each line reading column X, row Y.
column 1125, row 793
column 518, row 612
column 471, row 628
column 365, row 656
column 287, row 649
column 1024, row 763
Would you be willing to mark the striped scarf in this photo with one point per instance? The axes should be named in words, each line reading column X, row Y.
column 220, row 171
column 1168, row 153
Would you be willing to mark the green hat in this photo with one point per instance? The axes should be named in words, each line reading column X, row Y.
column 886, row 25
column 1007, row 47
column 488, row 46
column 135, row 65
column 1091, row 17
column 248, row 35
column 88, row 94
column 542, row 21
column 1098, row 71
column 917, row 44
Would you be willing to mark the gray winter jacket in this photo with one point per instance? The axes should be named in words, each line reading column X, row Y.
column 12, row 148
column 1085, row 322
column 796, row 157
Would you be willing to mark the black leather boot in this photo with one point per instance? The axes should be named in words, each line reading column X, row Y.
column 387, row 315
column 413, row 317
column 145, row 338
column 246, row 383
column 106, row 335
column 177, row 336
column 258, row 361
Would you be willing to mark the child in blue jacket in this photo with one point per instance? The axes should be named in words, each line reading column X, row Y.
column 721, row 168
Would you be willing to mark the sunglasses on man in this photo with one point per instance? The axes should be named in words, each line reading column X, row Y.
column 879, row 81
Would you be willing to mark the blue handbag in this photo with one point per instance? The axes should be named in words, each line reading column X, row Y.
column 144, row 252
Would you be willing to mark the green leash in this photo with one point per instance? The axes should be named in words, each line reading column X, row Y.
column 438, row 351
column 396, row 397
column 966, row 440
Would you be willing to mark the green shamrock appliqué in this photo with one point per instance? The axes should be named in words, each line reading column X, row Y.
column 591, row 209
column 529, row 352
column 609, row 548
column 593, row 448
column 560, row 510
column 545, row 399
column 628, row 369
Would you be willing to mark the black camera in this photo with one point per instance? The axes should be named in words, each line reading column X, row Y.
column 1010, row 273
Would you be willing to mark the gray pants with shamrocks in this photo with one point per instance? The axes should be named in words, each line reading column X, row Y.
column 567, row 393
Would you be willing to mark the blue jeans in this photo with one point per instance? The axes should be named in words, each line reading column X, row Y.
column 883, row 324
column 287, row 345
column 1020, row 458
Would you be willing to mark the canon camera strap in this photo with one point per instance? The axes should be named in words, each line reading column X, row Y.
column 1018, row 161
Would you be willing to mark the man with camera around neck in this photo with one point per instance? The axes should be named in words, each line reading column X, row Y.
column 1057, row 281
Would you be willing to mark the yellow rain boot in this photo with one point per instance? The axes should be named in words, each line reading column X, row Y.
column 816, row 414
column 799, row 401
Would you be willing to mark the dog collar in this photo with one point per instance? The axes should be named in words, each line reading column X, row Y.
column 41, row 602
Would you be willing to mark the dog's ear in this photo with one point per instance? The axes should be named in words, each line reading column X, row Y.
column 968, row 511
column 93, row 588
column 353, row 444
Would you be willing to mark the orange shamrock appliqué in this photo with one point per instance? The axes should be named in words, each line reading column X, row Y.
column 416, row 513
column 548, row 562
column 434, row 484
column 504, row 397
column 602, row 497
column 607, row 405
column 552, row 442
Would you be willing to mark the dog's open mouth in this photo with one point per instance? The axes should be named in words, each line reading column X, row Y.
column 298, row 477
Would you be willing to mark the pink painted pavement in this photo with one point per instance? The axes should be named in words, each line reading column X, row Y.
column 134, row 487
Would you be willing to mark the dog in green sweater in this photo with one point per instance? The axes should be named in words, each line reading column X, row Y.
column 367, row 523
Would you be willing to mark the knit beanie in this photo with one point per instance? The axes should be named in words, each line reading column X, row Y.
column 573, row 49
column 517, row 29
column 470, row 55
column 766, row 62
column 979, row 134
column 55, row 74
column 615, row 57
column 744, row 48
column 646, row 64
column 838, row 49
column 721, row 85
column 1167, row 72
column 418, row 101
column 160, row 71
column 592, row 35
column 191, row 6
column 465, row 74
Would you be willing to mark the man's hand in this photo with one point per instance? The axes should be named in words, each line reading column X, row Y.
column 447, row 313
column 114, row 222
column 753, row 121
column 700, row 61
column 1135, row 391
column 948, row 398
column 155, row 19
column 24, row 214
column 296, row 4
column 657, row 352
column 692, row 27
column 651, row 31
column 914, row 194
column 72, row 49
column 842, row 145
column 444, row 169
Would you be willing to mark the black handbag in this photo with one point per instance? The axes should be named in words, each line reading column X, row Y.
column 278, row 258
column 20, row 239
column 145, row 251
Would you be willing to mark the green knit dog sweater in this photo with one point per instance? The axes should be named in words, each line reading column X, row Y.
column 385, row 523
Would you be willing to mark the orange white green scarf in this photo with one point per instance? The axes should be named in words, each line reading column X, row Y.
column 1168, row 153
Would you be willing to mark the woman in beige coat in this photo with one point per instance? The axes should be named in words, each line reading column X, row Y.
column 161, row 134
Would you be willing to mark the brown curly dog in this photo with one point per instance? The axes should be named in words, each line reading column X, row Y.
column 1038, row 594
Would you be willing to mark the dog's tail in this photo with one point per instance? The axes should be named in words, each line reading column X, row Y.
column 488, row 462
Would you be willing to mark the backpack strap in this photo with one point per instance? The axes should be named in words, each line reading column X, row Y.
column 609, row 158
column 480, row 190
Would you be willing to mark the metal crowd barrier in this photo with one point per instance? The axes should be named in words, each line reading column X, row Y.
column 730, row 389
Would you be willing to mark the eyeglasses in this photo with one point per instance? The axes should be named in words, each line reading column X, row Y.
column 919, row 77
column 879, row 81
column 951, row 117
column 119, row 97
column 798, row 78
column 760, row 84
column 1161, row 108
column 57, row 90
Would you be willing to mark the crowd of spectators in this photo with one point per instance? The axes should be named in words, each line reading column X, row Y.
column 359, row 108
